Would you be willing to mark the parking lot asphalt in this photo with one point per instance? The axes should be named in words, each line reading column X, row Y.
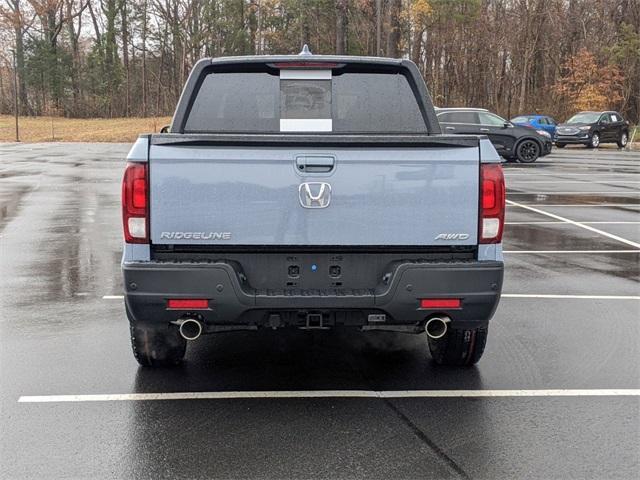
column 551, row 397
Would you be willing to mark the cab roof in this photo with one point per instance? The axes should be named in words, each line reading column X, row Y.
column 305, row 59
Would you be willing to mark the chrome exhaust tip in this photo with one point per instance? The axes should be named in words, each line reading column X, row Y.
column 436, row 327
column 190, row 328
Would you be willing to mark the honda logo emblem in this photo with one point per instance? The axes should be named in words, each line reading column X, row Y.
column 314, row 194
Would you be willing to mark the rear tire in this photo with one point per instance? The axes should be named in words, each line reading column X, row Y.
column 528, row 151
column 459, row 347
column 156, row 345
column 622, row 141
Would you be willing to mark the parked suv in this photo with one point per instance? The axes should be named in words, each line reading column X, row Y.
column 593, row 128
column 513, row 142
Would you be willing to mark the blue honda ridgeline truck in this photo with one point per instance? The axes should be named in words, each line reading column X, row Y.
column 310, row 192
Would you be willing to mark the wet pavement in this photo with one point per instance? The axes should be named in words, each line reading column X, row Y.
column 59, row 256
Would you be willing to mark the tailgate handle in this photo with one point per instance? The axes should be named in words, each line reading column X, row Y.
column 315, row 164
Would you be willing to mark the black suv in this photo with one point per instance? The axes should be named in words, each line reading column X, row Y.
column 593, row 128
column 513, row 142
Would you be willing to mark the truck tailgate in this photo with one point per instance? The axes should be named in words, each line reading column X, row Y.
column 204, row 194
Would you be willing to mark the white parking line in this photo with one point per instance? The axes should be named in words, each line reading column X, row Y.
column 137, row 397
column 509, row 295
column 536, row 174
column 568, row 251
column 595, row 205
column 603, row 169
column 582, row 182
column 576, row 173
column 511, row 192
column 577, row 224
column 551, row 222
column 604, row 166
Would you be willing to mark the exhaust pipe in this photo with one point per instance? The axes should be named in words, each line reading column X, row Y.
column 190, row 328
column 437, row 327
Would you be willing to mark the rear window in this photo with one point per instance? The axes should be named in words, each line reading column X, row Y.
column 261, row 102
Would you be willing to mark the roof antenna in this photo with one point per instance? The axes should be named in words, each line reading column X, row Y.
column 305, row 50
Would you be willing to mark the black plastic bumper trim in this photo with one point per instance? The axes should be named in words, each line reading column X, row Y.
column 148, row 285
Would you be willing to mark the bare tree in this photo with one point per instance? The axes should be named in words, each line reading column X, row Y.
column 131, row 57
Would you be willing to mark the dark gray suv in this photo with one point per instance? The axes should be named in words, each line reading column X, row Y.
column 513, row 142
column 593, row 128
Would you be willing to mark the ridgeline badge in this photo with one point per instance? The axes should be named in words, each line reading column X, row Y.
column 195, row 236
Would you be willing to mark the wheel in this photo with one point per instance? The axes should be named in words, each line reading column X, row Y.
column 459, row 346
column 528, row 151
column 595, row 141
column 622, row 141
column 561, row 145
column 156, row 345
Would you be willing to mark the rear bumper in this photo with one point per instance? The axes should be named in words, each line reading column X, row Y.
column 235, row 305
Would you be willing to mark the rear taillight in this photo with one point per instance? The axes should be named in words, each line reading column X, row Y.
column 492, row 203
column 135, row 203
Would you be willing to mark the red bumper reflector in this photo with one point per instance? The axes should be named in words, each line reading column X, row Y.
column 188, row 303
column 433, row 303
